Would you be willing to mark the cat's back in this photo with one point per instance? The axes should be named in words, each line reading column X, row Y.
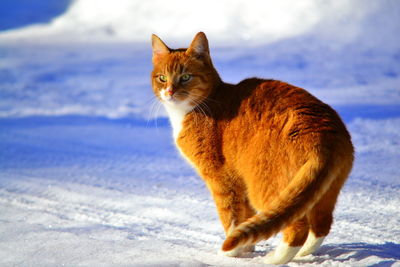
column 280, row 107
column 276, row 96
column 263, row 95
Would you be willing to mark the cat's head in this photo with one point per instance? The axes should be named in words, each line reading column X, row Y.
column 183, row 77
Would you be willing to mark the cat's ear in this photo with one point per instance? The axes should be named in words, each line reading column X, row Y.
column 159, row 48
column 199, row 45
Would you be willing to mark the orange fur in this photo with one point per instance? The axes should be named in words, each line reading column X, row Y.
column 261, row 146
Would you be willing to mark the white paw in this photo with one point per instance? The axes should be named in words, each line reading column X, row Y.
column 311, row 245
column 282, row 255
column 230, row 253
column 270, row 259
column 236, row 252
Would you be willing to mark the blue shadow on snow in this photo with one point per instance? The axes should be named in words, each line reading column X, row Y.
column 389, row 253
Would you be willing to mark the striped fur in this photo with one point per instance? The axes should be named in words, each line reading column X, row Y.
column 273, row 156
column 310, row 183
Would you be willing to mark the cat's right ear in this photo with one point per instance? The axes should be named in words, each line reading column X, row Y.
column 159, row 47
column 199, row 45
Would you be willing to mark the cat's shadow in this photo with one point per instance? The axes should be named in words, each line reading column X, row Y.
column 382, row 254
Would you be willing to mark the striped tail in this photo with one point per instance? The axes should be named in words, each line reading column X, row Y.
column 302, row 193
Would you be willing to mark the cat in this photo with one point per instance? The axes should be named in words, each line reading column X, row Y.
column 273, row 156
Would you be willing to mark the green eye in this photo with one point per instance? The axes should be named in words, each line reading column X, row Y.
column 162, row 78
column 186, row 77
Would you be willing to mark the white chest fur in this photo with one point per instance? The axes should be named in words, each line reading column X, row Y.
column 176, row 115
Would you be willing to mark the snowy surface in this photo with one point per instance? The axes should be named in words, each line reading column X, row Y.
column 226, row 20
column 88, row 171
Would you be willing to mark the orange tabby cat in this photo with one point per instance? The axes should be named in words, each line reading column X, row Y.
column 273, row 156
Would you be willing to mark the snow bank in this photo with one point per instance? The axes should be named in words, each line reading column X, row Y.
column 255, row 22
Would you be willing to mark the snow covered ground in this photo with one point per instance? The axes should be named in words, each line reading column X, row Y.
column 88, row 171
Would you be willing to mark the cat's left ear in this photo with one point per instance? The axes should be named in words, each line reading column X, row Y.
column 199, row 45
column 159, row 47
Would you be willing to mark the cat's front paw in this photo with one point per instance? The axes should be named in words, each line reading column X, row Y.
column 230, row 253
column 237, row 251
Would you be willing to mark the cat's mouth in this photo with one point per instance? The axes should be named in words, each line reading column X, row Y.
column 166, row 95
column 172, row 97
column 178, row 100
column 169, row 98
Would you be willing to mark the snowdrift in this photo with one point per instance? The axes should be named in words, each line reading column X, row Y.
column 225, row 22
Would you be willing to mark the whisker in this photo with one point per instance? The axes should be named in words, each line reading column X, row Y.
column 150, row 113
column 201, row 108
column 155, row 106
column 157, row 113
column 208, row 98
column 202, row 105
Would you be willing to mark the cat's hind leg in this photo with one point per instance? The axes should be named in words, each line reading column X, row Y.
column 320, row 217
column 312, row 244
column 294, row 237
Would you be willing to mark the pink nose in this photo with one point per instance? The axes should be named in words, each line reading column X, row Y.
column 169, row 92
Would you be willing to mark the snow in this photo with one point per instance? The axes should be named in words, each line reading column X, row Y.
column 225, row 20
column 89, row 174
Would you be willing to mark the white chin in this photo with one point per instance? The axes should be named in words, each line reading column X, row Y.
column 170, row 101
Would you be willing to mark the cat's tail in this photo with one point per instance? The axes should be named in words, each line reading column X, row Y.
column 302, row 193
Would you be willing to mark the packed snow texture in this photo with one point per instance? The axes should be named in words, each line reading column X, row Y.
column 88, row 170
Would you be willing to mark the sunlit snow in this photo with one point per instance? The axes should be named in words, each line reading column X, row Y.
column 88, row 170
